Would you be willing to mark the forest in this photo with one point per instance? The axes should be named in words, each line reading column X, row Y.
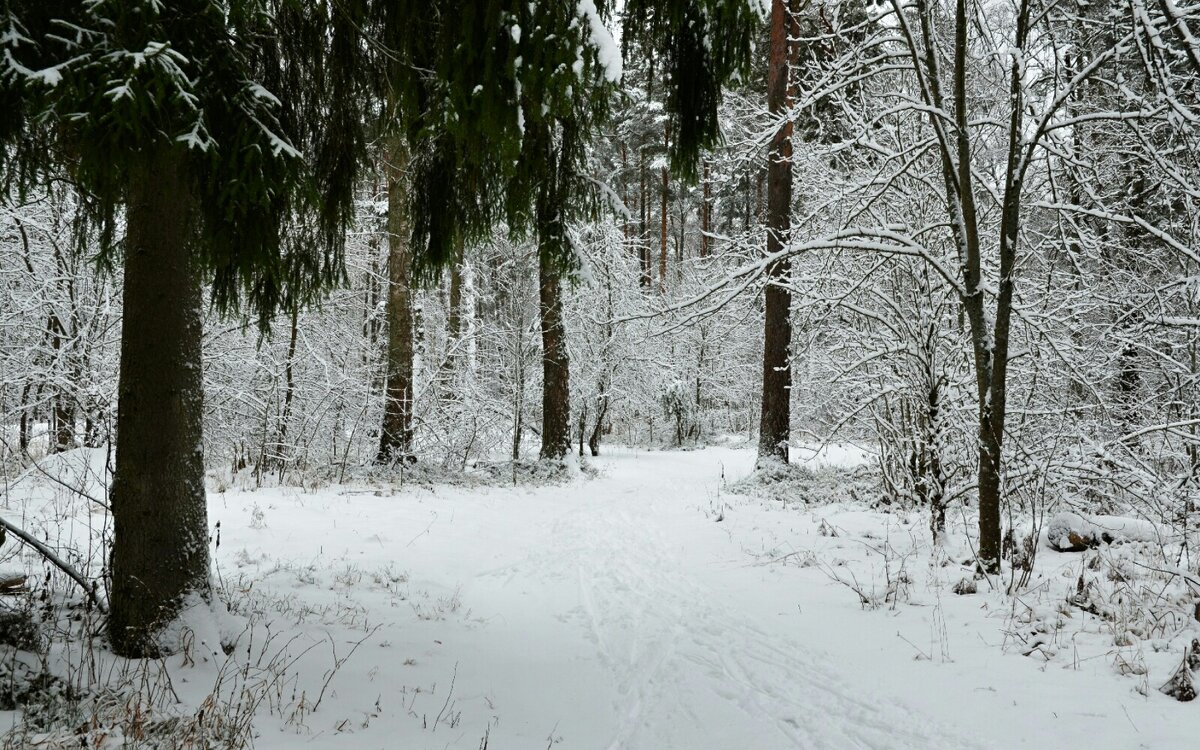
column 599, row 373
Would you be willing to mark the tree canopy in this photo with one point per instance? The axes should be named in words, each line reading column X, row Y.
column 498, row 100
column 257, row 94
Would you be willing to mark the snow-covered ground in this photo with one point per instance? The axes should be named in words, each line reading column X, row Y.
column 651, row 608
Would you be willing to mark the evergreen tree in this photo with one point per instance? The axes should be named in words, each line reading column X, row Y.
column 195, row 117
column 499, row 101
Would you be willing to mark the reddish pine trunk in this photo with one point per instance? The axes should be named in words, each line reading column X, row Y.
column 775, row 424
column 662, row 244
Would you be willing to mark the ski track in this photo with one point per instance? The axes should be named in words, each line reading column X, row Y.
column 675, row 649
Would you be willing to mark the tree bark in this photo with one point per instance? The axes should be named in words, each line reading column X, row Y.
column 518, row 401
column 282, row 450
column 706, row 211
column 23, row 428
column 454, row 304
column 160, row 522
column 662, row 244
column 556, row 389
column 62, row 421
column 775, row 423
column 990, row 419
column 601, row 415
column 628, row 218
column 643, row 228
column 395, row 438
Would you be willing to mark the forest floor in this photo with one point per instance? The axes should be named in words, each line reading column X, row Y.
column 649, row 606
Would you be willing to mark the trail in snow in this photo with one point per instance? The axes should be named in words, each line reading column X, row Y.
column 688, row 669
column 614, row 613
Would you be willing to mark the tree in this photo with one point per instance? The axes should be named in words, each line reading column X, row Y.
column 499, row 103
column 395, row 439
column 775, row 424
column 195, row 118
column 966, row 132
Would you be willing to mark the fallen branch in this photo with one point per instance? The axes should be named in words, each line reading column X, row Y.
column 58, row 562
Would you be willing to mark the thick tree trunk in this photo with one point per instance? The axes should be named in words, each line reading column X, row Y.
column 160, row 520
column 556, row 389
column 64, row 423
column 775, row 423
column 395, row 439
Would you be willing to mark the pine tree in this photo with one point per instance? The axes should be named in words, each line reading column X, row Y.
column 775, row 424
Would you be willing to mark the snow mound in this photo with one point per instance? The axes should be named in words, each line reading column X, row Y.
column 1073, row 532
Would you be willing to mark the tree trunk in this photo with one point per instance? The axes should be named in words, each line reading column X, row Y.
column 775, row 423
column 583, row 413
column 395, row 439
column 933, row 477
column 628, row 218
column 64, row 423
column 706, row 212
column 643, row 229
column 282, row 450
column 518, row 407
column 23, row 428
column 662, row 245
column 160, row 520
column 681, row 239
column 446, row 390
column 454, row 311
column 62, row 420
column 556, row 389
column 601, row 414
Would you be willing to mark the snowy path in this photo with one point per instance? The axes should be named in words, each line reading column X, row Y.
column 616, row 613
column 608, row 614
column 688, row 669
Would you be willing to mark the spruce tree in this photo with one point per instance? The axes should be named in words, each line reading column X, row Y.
column 228, row 134
column 499, row 101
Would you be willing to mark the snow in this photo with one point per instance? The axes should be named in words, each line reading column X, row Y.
column 608, row 52
column 837, row 455
column 1101, row 528
column 642, row 607
column 51, row 76
column 610, row 613
column 258, row 91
